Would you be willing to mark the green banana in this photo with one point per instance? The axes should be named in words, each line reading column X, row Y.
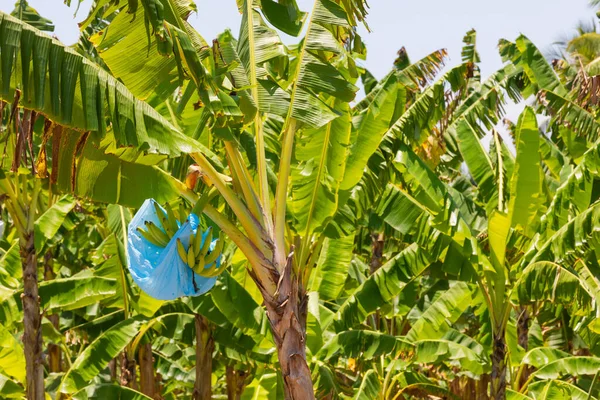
column 181, row 251
column 203, row 201
column 213, row 255
column 212, row 271
column 197, row 257
column 191, row 260
column 163, row 219
column 199, row 268
column 207, row 242
column 157, row 233
column 171, row 218
column 148, row 236
column 217, row 271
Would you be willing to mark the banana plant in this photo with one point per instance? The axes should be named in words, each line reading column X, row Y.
column 514, row 249
column 310, row 95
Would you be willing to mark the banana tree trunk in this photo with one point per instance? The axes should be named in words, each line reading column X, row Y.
column 235, row 382
column 32, row 336
column 147, row 377
column 54, row 352
column 377, row 252
column 112, row 367
column 377, row 243
column 128, row 375
column 205, row 346
column 499, row 365
column 287, row 312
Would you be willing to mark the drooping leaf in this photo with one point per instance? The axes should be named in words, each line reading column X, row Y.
column 12, row 359
column 144, row 71
column 433, row 323
column 536, row 66
column 569, row 112
column 575, row 366
column 541, row 356
column 363, row 344
column 369, row 388
column 10, row 389
column 399, row 209
column 572, row 240
column 383, row 285
column 74, row 92
column 453, row 347
column 239, row 307
column 555, row 389
column 10, row 267
column 108, row 179
column 547, row 281
column 98, row 354
column 48, row 224
column 264, row 386
column 512, row 395
column 61, row 294
column 331, row 271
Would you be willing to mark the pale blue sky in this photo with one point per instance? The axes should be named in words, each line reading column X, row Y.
column 422, row 26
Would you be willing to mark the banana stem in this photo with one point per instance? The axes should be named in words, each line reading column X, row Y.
column 255, row 257
column 37, row 186
column 249, row 223
column 244, row 180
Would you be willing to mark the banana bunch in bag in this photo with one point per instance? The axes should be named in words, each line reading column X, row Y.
column 200, row 257
column 160, row 235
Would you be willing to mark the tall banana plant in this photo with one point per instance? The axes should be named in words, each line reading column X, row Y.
column 514, row 250
column 313, row 113
column 479, row 221
column 309, row 93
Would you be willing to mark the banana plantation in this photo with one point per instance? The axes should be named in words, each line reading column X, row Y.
column 188, row 217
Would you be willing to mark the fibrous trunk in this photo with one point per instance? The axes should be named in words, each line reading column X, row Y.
column 468, row 388
column 377, row 252
column 377, row 244
column 287, row 316
column 128, row 377
column 32, row 336
column 236, row 381
column 204, row 349
column 499, row 366
column 112, row 367
column 147, row 377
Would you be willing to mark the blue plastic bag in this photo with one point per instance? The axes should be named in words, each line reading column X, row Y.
column 160, row 272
